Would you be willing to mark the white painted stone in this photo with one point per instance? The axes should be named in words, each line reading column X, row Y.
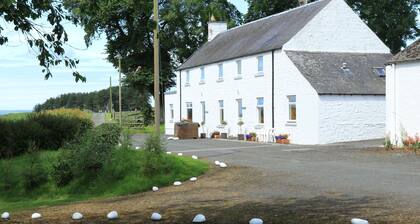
column 156, row 216
column 137, row 148
column 155, row 188
column 192, row 179
column 177, row 183
column 359, row 221
column 194, row 157
column 217, row 163
column 223, row 165
column 200, row 218
column 36, row 216
column 256, row 221
column 112, row 215
column 5, row 216
column 180, row 154
column 77, row 216
column 169, row 153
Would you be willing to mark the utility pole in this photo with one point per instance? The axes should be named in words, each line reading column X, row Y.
column 119, row 92
column 110, row 96
column 156, row 65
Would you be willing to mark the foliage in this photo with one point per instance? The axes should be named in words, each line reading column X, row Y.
column 98, row 101
column 412, row 143
column 128, row 27
column 48, row 130
column 394, row 21
column 34, row 173
column 154, row 162
column 122, row 175
column 14, row 116
column 24, row 17
column 387, row 143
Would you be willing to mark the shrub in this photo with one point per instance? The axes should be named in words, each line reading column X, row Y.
column 86, row 158
column 48, row 130
column 154, row 161
column 34, row 173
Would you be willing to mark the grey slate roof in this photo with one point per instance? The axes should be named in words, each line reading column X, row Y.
column 263, row 35
column 411, row 53
column 324, row 72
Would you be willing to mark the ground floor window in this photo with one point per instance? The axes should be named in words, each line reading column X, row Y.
column 203, row 111
column 221, row 112
column 240, row 108
column 292, row 107
column 260, row 109
column 171, row 109
column 189, row 111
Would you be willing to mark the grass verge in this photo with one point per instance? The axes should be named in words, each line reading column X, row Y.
column 128, row 164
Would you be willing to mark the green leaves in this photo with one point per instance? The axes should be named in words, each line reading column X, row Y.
column 49, row 45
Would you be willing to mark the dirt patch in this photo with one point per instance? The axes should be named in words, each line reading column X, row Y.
column 225, row 196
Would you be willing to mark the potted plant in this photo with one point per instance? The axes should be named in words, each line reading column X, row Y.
column 223, row 135
column 252, row 136
column 283, row 139
column 240, row 135
column 203, row 134
column 215, row 134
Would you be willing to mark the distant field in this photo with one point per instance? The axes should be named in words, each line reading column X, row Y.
column 14, row 116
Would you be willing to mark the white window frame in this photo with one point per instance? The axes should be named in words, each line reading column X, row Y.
column 187, row 78
column 202, row 75
column 189, row 106
column 221, row 111
column 221, row 72
column 292, row 103
column 203, row 111
column 238, row 69
column 260, row 65
column 260, row 111
column 240, row 108
column 171, row 113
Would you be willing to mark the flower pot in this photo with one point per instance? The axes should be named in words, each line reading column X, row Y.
column 203, row 135
column 284, row 141
column 253, row 139
column 223, row 136
column 241, row 136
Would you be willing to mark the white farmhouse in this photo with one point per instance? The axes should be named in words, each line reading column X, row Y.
column 402, row 93
column 314, row 72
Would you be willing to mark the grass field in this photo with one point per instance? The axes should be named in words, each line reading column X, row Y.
column 127, row 162
column 15, row 116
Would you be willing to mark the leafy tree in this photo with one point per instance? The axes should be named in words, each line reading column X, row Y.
column 128, row 27
column 394, row 21
column 24, row 16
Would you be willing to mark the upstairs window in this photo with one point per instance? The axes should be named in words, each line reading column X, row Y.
column 260, row 110
column 220, row 71
column 221, row 112
column 187, row 80
column 239, row 67
column 189, row 111
column 292, row 108
column 260, row 63
column 203, row 75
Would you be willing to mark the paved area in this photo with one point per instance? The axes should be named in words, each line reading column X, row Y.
column 98, row 118
column 355, row 169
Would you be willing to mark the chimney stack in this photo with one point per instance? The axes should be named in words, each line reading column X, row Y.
column 303, row 2
column 215, row 27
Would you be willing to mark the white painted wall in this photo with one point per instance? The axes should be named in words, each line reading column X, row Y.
column 351, row 118
column 403, row 107
column 248, row 88
column 289, row 81
column 169, row 121
column 336, row 29
column 215, row 28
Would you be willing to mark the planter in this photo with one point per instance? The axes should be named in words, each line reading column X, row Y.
column 283, row 141
column 186, row 130
column 241, row 136
column 203, row 135
column 223, row 136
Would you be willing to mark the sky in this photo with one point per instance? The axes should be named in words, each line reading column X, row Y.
column 22, row 83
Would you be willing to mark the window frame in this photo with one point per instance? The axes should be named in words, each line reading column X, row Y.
column 171, row 112
column 188, row 78
column 240, row 108
column 292, row 102
column 221, row 111
column 202, row 75
column 203, row 112
column 260, row 110
column 238, row 68
column 221, row 71
column 189, row 108
column 260, row 64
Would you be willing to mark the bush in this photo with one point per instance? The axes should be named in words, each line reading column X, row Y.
column 48, row 130
column 34, row 173
column 154, row 161
column 86, row 158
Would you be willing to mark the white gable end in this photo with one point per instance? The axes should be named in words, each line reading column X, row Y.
column 337, row 29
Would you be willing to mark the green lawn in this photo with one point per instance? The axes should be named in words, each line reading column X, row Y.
column 127, row 162
column 15, row 116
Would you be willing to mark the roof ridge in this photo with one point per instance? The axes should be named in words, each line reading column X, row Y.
column 274, row 15
column 334, row 52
